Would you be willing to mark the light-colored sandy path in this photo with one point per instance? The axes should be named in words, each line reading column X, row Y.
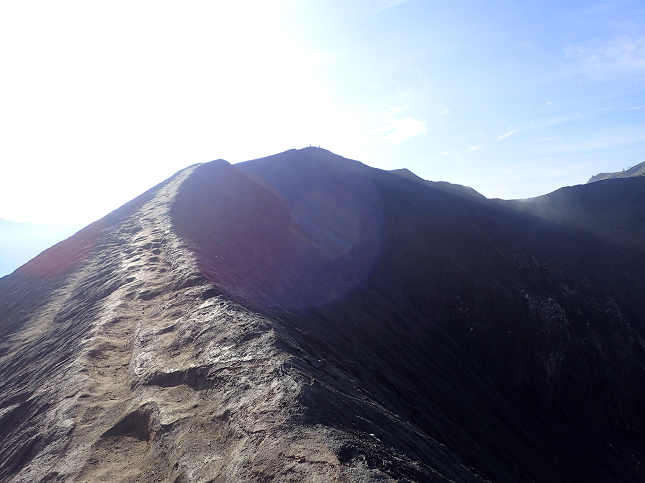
column 137, row 370
column 160, row 379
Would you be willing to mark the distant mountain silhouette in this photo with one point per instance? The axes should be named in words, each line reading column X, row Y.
column 638, row 170
column 304, row 317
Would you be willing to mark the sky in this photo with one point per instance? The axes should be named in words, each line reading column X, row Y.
column 100, row 101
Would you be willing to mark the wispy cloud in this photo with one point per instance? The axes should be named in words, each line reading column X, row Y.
column 445, row 110
column 506, row 134
column 599, row 58
column 473, row 148
column 445, row 152
column 395, row 131
column 634, row 108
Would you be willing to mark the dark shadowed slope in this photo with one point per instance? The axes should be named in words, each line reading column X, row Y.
column 551, row 312
column 441, row 185
column 120, row 362
column 304, row 317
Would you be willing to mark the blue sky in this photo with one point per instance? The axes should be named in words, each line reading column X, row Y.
column 102, row 100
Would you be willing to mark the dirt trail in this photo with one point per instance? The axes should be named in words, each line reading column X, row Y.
column 201, row 333
column 91, row 321
column 158, row 378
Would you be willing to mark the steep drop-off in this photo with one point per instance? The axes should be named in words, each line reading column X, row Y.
column 304, row 317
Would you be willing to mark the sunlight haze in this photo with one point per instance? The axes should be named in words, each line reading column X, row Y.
column 101, row 101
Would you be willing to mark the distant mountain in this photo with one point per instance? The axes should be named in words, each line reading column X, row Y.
column 304, row 317
column 20, row 242
column 638, row 170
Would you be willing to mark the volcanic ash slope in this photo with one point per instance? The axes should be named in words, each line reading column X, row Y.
column 306, row 318
column 120, row 362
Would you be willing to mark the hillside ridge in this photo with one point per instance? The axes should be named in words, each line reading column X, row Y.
column 305, row 317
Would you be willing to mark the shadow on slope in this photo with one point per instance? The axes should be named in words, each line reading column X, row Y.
column 284, row 249
column 375, row 272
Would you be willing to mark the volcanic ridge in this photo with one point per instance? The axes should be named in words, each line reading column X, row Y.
column 304, row 317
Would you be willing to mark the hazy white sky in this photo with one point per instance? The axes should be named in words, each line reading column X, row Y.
column 101, row 100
